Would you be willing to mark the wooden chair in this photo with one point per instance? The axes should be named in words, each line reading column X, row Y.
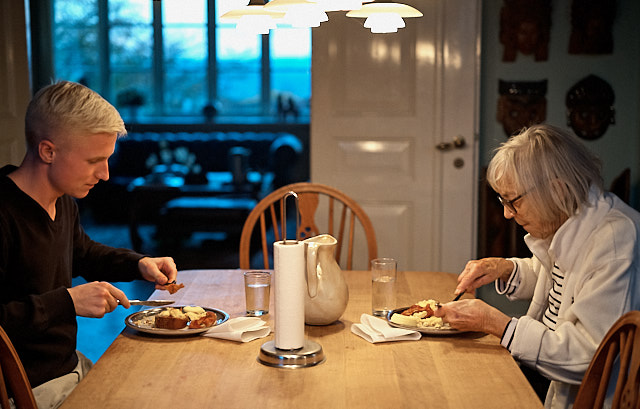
column 620, row 345
column 309, row 198
column 621, row 185
column 13, row 378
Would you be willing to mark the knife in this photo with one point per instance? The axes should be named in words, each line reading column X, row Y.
column 150, row 303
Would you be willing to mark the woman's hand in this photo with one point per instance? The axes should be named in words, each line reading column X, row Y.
column 473, row 315
column 159, row 270
column 96, row 298
column 484, row 271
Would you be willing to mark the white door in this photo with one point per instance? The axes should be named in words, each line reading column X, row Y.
column 381, row 106
column 14, row 93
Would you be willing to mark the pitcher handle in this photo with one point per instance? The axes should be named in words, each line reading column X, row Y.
column 312, row 276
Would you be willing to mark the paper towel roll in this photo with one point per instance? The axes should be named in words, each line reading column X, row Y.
column 289, row 286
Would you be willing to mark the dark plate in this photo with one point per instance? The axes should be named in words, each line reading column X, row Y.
column 143, row 321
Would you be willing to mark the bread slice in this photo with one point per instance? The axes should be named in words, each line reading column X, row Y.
column 171, row 322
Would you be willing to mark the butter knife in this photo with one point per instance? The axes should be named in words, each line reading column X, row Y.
column 150, row 303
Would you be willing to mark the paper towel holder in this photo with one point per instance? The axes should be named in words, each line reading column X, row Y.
column 311, row 353
column 283, row 222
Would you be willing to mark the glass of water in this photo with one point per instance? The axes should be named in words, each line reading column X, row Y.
column 383, row 280
column 257, row 285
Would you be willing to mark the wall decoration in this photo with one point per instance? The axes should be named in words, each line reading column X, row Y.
column 590, row 108
column 521, row 104
column 525, row 26
column 591, row 26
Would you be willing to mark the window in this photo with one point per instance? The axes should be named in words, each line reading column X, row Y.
column 173, row 60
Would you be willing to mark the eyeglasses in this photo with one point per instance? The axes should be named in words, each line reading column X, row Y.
column 509, row 203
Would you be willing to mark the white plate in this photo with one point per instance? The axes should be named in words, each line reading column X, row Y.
column 424, row 330
column 144, row 321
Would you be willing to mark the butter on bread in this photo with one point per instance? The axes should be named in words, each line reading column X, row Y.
column 178, row 318
column 171, row 318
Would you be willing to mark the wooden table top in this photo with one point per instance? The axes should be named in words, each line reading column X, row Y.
column 468, row 370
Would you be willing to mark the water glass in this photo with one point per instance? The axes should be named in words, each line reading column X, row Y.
column 383, row 280
column 257, row 286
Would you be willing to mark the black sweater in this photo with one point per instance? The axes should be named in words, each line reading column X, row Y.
column 38, row 258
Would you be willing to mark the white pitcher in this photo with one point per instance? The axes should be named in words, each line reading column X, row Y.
column 327, row 292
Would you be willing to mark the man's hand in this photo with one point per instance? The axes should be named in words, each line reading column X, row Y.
column 96, row 298
column 159, row 270
column 484, row 271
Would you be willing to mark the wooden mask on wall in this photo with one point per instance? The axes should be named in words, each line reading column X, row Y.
column 521, row 104
column 591, row 26
column 590, row 108
column 525, row 26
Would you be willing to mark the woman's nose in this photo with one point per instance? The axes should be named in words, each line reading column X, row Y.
column 507, row 213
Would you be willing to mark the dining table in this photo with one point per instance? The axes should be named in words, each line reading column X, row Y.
column 452, row 370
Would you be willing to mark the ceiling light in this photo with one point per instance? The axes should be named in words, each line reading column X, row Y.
column 299, row 13
column 340, row 5
column 253, row 18
column 384, row 17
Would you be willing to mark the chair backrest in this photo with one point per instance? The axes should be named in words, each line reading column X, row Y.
column 621, row 185
column 339, row 205
column 13, row 378
column 620, row 346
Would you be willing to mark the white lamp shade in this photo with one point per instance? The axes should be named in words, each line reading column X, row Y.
column 384, row 23
column 236, row 14
column 400, row 9
column 299, row 13
column 340, row 5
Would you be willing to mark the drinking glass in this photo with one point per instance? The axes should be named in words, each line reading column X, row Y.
column 257, row 286
column 383, row 280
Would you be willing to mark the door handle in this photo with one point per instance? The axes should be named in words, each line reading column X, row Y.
column 458, row 143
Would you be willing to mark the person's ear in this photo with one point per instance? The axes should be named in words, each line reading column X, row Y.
column 46, row 151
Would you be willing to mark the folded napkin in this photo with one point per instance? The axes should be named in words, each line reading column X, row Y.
column 375, row 329
column 241, row 329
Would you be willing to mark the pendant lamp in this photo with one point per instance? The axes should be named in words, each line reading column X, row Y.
column 384, row 17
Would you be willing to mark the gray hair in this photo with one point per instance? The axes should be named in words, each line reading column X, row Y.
column 70, row 106
column 539, row 157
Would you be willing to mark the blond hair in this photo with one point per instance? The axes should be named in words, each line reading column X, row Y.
column 68, row 107
column 539, row 157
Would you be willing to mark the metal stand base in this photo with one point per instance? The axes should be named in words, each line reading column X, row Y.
column 310, row 354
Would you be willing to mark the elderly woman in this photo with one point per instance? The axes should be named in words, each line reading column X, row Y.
column 583, row 274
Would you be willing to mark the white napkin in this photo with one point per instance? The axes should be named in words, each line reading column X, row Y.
column 375, row 329
column 241, row 329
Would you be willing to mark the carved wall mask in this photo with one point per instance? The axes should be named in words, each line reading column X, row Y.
column 521, row 104
column 590, row 108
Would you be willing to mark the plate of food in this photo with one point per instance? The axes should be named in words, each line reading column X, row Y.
column 176, row 320
column 419, row 317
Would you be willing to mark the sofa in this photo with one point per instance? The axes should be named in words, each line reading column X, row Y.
column 164, row 157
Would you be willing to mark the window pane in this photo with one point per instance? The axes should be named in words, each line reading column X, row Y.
column 70, row 12
column 181, row 11
column 76, row 41
column 239, row 70
column 291, row 70
column 131, row 56
column 185, row 48
column 133, row 93
column 185, row 57
column 185, row 92
column 131, row 46
column 130, row 11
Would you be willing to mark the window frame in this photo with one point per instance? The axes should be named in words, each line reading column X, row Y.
column 266, row 111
